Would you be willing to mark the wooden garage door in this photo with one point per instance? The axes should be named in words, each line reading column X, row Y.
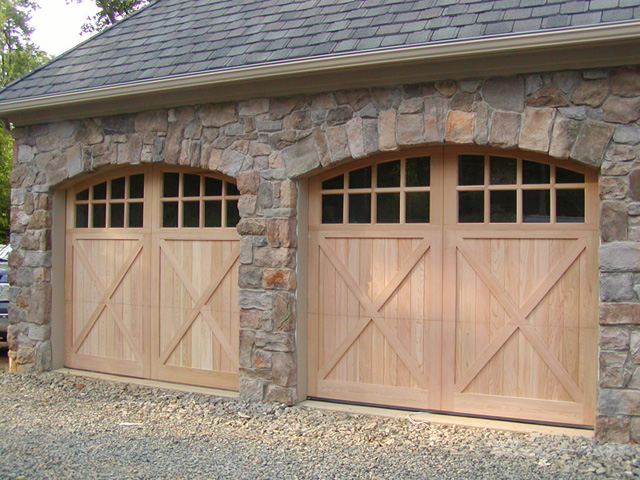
column 456, row 280
column 151, row 276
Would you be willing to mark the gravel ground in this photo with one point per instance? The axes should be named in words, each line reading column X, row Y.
column 58, row 426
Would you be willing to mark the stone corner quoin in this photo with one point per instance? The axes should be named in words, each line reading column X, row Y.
column 267, row 143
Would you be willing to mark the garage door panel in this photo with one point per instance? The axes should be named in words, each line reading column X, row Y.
column 526, row 376
column 372, row 394
column 518, row 328
column 196, row 348
column 373, row 302
column 198, row 326
column 107, row 319
column 519, row 408
column 102, row 260
column 199, row 348
column 376, row 362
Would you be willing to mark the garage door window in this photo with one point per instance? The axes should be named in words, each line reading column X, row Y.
column 495, row 189
column 198, row 201
column 117, row 203
column 388, row 192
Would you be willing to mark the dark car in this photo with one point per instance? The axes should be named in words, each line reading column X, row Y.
column 4, row 300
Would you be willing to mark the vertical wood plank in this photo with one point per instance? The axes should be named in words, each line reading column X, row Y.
column 377, row 275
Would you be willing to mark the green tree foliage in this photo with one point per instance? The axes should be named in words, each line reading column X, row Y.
column 18, row 56
column 110, row 12
column 6, row 151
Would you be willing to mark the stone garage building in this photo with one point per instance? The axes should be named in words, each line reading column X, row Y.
column 425, row 204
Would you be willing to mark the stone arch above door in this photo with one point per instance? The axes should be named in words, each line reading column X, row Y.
column 563, row 115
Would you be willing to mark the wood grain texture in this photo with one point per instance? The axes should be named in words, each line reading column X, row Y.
column 486, row 319
column 152, row 302
column 362, row 279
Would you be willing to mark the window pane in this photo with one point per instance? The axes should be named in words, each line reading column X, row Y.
column 417, row 207
column 83, row 195
column 233, row 215
column 418, row 172
column 99, row 215
column 117, row 215
column 170, row 182
column 136, row 217
column 470, row 207
column 470, row 170
column 82, row 216
column 136, row 186
column 536, row 206
column 232, row 189
column 117, row 187
column 388, row 174
column 534, row 172
column 360, row 178
column 191, row 214
column 191, row 185
column 388, row 207
column 360, row 208
column 332, row 208
column 212, row 187
column 570, row 206
column 213, row 213
column 568, row 176
column 100, row 191
column 502, row 171
column 334, row 183
column 503, row 206
column 170, row 214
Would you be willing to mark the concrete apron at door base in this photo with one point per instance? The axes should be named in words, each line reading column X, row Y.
column 268, row 144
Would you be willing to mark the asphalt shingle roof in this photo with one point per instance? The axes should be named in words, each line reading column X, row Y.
column 177, row 37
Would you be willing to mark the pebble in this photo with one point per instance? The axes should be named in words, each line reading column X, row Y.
column 53, row 429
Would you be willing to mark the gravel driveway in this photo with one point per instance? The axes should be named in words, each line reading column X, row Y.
column 58, row 426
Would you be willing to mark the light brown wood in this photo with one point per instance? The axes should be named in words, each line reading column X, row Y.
column 368, row 306
column 106, row 315
column 529, row 279
column 152, row 302
column 487, row 319
column 370, row 309
column 197, row 323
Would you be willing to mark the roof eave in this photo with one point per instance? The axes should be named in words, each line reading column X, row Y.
column 458, row 50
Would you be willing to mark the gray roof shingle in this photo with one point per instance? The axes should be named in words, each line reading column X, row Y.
column 177, row 37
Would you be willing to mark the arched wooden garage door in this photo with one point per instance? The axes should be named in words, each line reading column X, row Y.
column 151, row 276
column 456, row 280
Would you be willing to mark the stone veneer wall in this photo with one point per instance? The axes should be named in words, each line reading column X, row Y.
column 589, row 116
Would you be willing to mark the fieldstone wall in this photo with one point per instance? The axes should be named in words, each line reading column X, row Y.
column 266, row 144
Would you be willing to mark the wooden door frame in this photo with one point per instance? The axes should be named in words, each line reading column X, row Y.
column 66, row 232
column 449, row 225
